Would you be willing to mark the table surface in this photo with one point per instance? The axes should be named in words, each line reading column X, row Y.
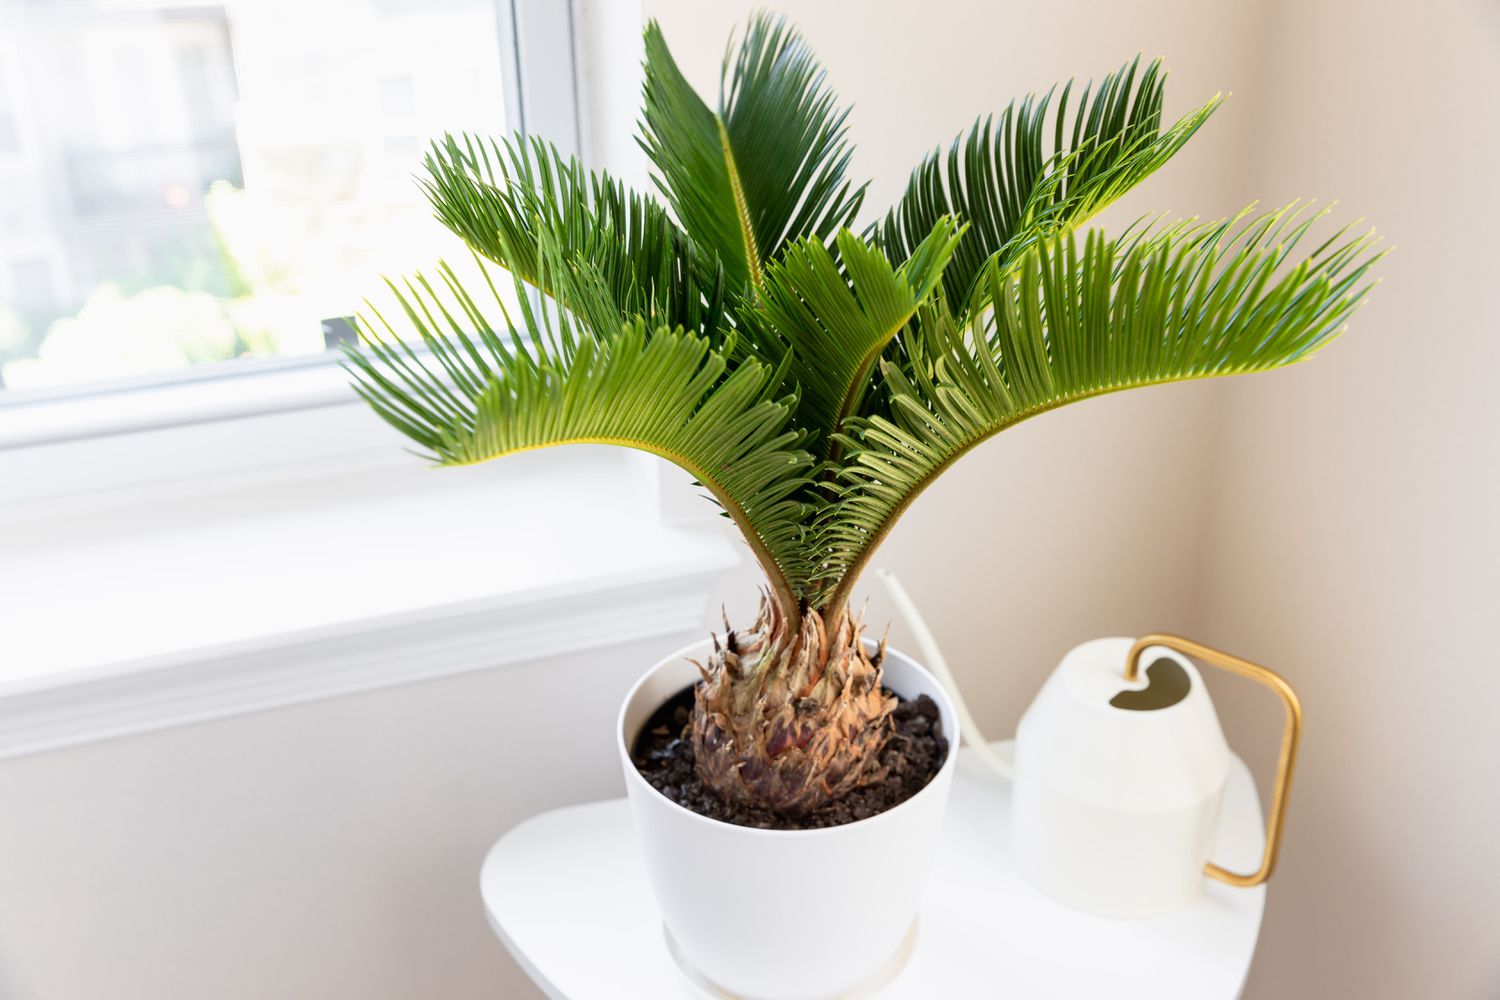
column 567, row 893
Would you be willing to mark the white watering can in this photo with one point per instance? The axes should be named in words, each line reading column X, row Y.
column 1118, row 776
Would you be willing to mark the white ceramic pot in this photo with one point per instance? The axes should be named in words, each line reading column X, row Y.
column 786, row 914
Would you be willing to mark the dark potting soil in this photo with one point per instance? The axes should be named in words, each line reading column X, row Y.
column 913, row 754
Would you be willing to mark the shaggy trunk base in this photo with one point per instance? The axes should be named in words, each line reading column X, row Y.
column 791, row 721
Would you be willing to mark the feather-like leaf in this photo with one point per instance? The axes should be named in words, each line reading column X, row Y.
column 810, row 382
column 768, row 167
column 1022, row 175
column 836, row 315
column 470, row 397
column 1070, row 323
column 615, row 254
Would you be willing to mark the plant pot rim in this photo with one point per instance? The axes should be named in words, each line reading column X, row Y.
column 632, row 774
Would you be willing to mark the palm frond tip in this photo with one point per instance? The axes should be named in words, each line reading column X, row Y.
column 1072, row 322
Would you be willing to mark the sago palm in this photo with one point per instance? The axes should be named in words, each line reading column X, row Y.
column 813, row 378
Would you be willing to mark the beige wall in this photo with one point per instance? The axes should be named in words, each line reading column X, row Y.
column 325, row 851
column 1355, row 537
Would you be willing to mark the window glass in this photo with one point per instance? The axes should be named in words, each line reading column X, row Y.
column 184, row 183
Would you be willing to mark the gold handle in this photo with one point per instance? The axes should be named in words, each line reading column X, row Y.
column 1290, row 737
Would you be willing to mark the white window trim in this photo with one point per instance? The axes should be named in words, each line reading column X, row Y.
column 663, row 595
column 539, row 61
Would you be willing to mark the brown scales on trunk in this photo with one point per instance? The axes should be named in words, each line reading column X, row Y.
column 791, row 720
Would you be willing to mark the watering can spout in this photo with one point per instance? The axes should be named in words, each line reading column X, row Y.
column 933, row 657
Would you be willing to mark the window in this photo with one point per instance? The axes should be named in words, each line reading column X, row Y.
column 10, row 136
column 190, row 183
column 197, row 197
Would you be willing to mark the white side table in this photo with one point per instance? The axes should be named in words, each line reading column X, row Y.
column 567, row 894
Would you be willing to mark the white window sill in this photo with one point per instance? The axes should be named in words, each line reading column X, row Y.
column 204, row 606
column 225, row 390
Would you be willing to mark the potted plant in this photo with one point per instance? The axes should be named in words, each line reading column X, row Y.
column 814, row 380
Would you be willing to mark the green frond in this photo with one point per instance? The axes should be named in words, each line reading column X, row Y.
column 763, row 170
column 1013, row 188
column 836, row 315
column 469, row 397
column 812, row 380
column 1070, row 323
column 614, row 254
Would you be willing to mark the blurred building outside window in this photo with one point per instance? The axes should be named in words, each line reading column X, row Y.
column 186, row 183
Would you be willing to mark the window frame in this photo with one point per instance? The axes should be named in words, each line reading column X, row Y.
column 254, row 419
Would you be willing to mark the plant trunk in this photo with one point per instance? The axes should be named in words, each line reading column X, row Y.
column 791, row 719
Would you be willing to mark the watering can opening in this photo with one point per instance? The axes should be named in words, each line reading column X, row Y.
column 1166, row 685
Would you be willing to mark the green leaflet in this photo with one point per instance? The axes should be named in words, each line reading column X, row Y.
column 1072, row 323
column 763, row 170
column 615, row 253
column 1005, row 182
column 836, row 315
